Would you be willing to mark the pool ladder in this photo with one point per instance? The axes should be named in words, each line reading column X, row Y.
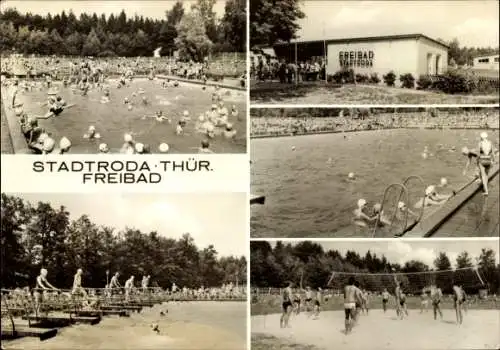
column 403, row 194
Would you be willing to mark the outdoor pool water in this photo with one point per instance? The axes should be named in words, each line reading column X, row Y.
column 112, row 120
column 305, row 178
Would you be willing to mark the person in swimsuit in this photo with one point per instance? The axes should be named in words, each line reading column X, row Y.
column 358, row 303
column 430, row 198
column 436, row 296
column 296, row 303
column 317, row 302
column 360, row 218
column 385, row 299
column 423, row 301
column 458, row 300
column 485, row 159
column 77, row 284
column 41, row 287
column 352, row 295
column 114, row 285
column 286, row 306
column 308, row 299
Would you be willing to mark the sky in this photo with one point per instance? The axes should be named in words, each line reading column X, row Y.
column 473, row 23
column 218, row 219
column 398, row 251
column 151, row 9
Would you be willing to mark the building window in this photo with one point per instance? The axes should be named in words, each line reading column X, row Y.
column 496, row 59
column 484, row 60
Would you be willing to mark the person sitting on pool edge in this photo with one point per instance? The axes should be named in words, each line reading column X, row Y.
column 430, row 198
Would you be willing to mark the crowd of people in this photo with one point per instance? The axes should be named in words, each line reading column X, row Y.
column 81, row 77
column 358, row 301
column 56, row 67
column 266, row 69
column 304, row 124
column 45, row 297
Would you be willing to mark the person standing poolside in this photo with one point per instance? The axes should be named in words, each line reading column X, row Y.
column 385, row 299
column 114, row 285
column 42, row 285
column 485, row 159
column 458, row 300
column 286, row 306
column 436, row 295
column 129, row 285
column 77, row 284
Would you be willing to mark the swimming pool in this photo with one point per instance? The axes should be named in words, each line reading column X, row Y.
column 112, row 120
column 305, row 182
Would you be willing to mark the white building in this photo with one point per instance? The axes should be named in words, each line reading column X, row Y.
column 486, row 62
column 413, row 53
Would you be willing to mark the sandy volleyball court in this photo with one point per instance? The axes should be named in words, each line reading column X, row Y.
column 384, row 331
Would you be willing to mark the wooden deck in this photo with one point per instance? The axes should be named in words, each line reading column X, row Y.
column 24, row 330
column 437, row 219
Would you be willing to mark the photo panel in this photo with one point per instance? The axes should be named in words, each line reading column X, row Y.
column 116, row 271
column 374, row 53
column 374, row 172
column 143, row 77
column 383, row 294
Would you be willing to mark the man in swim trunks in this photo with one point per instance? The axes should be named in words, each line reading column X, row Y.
column 308, row 299
column 352, row 295
column 358, row 303
column 423, row 301
column 41, row 287
column 458, row 299
column 114, row 285
column 436, row 296
column 296, row 303
column 385, row 299
column 400, row 300
column 286, row 306
column 129, row 285
column 317, row 302
column 77, row 284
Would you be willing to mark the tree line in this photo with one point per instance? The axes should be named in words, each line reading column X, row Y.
column 194, row 33
column 309, row 264
column 41, row 236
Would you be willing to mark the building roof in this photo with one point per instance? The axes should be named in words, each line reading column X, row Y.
column 368, row 38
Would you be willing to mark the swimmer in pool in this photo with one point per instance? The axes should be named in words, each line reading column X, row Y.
column 56, row 107
column 360, row 218
column 205, row 147
column 383, row 220
column 430, row 198
column 229, row 132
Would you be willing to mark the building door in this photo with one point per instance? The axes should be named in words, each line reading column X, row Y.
column 438, row 64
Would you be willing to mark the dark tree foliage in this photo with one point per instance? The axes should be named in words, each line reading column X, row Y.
column 98, row 35
column 274, row 20
column 41, row 236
